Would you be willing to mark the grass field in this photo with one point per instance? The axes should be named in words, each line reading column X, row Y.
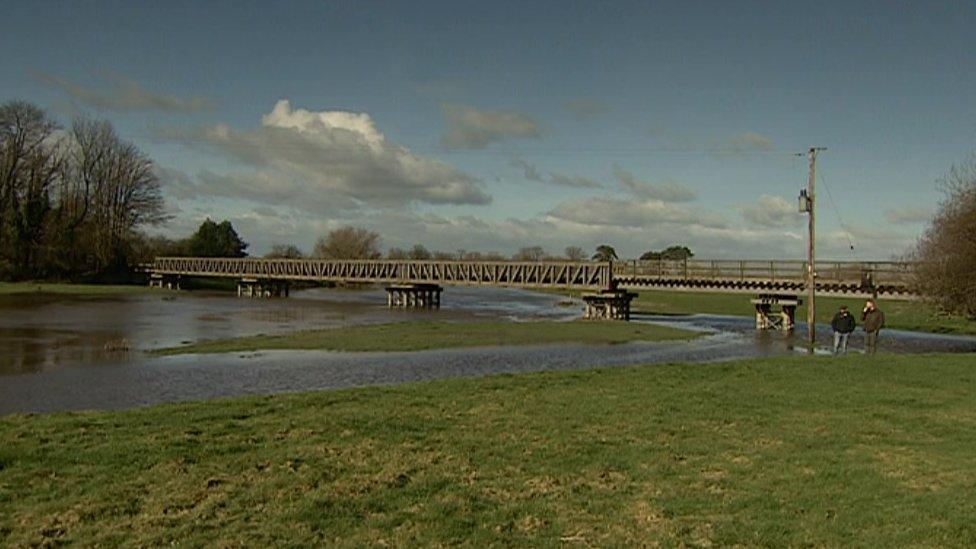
column 7, row 288
column 415, row 336
column 799, row 451
column 902, row 314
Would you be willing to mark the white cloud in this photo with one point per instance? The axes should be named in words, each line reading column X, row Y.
column 667, row 191
column 603, row 211
column 314, row 160
column 124, row 94
column 471, row 128
column 771, row 211
column 750, row 141
column 576, row 181
column 908, row 215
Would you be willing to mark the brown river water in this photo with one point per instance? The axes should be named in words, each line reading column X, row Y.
column 60, row 352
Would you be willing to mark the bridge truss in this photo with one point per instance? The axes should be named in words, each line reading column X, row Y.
column 568, row 275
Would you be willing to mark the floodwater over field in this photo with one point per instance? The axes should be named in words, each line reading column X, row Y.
column 59, row 352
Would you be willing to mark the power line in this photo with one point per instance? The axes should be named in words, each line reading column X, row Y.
column 624, row 151
column 840, row 218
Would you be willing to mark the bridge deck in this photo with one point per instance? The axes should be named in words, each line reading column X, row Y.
column 885, row 277
column 742, row 275
column 569, row 275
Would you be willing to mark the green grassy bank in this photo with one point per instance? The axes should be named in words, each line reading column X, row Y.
column 416, row 336
column 875, row 452
column 902, row 314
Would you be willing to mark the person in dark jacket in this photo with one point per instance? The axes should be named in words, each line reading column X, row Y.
column 873, row 320
column 843, row 325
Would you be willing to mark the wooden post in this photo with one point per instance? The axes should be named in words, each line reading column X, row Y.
column 811, row 250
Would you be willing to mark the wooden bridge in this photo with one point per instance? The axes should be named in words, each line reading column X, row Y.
column 884, row 278
column 567, row 275
column 891, row 278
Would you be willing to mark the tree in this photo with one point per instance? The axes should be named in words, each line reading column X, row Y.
column 677, row 253
column 946, row 273
column 216, row 240
column 671, row 253
column 284, row 251
column 530, row 253
column 348, row 243
column 71, row 203
column 419, row 252
column 396, row 253
column 605, row 252
column 575, row 253
column 29, row 166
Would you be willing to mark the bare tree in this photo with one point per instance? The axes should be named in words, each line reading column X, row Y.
column 419, row 252
column 946, row 273
column 348, row 243
column 284, row 251
column 575, row 253
column 29, row 166
column 530, row 253
column 396, row 253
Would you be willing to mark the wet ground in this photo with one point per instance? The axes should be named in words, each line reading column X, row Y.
column 53, row 353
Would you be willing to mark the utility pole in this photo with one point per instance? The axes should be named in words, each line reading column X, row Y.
column 811, row 207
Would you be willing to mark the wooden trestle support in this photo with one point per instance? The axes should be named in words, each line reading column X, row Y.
column 255, row 287
column 608, row 305
column 768, row 319
column 167, row 281
column 414, row 296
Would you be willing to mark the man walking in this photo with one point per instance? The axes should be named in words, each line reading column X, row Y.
column 842, row 324
column 873, row 320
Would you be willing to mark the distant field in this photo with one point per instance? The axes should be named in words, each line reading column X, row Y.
column 415, row 336
column 798, row 451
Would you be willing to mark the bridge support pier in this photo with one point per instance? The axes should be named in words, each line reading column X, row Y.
column 414, row 296
column 169, row 282
column 253, row 287
column 608, row 305
column 768, row 319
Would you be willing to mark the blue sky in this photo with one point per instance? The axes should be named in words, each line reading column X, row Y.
column 494, row 125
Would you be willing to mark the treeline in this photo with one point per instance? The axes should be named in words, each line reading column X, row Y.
column 211, row 239
column 360, row 243
column 72, row 199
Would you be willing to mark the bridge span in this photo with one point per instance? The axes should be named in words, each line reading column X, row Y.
column 542, row 274
column 891, row 278
column 845, row 277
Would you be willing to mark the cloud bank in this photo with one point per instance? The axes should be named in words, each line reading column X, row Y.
column 123, row 94
column 321, row 161
column 667, row 191
column 471, row 128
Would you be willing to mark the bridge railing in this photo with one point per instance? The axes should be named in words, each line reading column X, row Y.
column 560, row 274
column 850, row 272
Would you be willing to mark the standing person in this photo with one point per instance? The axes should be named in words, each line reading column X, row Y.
column 873, row 320
column 843, row 325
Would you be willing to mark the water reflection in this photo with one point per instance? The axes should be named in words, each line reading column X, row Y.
column 40, row 332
